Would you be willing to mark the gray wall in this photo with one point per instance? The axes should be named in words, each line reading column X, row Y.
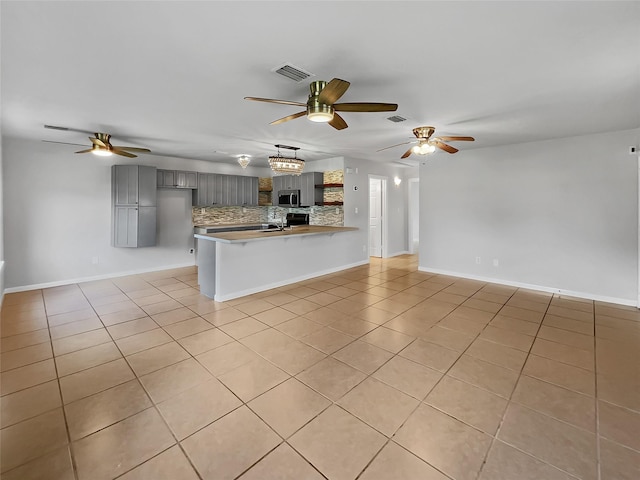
column 58, row 215
column 396, row 204
column 561, row 214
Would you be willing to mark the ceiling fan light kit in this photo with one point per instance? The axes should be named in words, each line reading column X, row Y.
column 321, row 106
column 426, row 144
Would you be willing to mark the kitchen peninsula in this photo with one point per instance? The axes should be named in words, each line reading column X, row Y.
column 239, row 263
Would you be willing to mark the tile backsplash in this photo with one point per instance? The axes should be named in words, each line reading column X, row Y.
column 327, row 215
column 333, row 216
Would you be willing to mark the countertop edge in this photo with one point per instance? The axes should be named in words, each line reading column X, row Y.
column 256, row 236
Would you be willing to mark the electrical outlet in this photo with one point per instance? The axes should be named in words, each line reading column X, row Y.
column 337, row 210
column 478, row 260
column 191, row 251
column 364, row 248
column 244, row 210
column 496, row 262
column 356, row 210
column 202, row 211
column 95, row 260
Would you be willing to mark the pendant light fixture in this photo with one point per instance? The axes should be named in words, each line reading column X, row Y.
column 288, row 165
column 244, row 160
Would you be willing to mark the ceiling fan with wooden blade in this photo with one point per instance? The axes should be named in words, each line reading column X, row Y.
column 321, row 106
column 101, row 145
column 426, row 144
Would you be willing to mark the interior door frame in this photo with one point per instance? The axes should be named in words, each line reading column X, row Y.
column 413, row 183
column 383, row 213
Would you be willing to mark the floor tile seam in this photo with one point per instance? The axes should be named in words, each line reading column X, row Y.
column 592, row 353
column 620, row 444
column 529, row 454
column 30, row 386
column 64, row 412
column 72, row 445
column 509, row 399
column 561, row 386
column 566, row 422
column 574, row 332
column 564, row 317
column 29, row 362
column 31, row 417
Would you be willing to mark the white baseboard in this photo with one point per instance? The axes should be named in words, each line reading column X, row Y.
column 540, row 288
column 250, row 291
column 70, row 281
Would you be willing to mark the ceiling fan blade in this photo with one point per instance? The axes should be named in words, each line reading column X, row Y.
column 397, row 145
column 132, row 149
column 68, row 129
column 85, row 151
column 123, row 153
column 271, row 100
column 455, row 139
column 365, row 107
column 288, row 117
column 64, row 143
column 444, row 146
column 97, row 141
column 333, row 91
column 338, row 122
column 407, row 153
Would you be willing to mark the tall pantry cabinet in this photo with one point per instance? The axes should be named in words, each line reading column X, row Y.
column 133, row 189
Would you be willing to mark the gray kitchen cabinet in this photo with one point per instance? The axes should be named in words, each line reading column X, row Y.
column 186, row 179
column 309, row 194
column 134, row 205
column 177, row 179
column 248, row 191
column 306, row 183
column 220, row 190
column 166, row 178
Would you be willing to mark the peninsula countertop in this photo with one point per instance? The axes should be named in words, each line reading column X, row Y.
column 257, row 235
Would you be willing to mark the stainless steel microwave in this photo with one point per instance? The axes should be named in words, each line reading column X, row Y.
column 289, row 198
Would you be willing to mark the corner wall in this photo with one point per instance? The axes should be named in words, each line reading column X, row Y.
column 356, row 174
column 559, row 214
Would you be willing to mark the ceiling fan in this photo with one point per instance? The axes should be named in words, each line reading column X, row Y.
column 101, row 144
column 321, row 106
column 427, row 144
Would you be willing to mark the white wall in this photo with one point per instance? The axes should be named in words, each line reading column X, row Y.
column 560, row 214
column 396, row 204
column 2, row 263
column 58, row 214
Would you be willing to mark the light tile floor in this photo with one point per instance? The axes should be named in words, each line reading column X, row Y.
column 378, row 372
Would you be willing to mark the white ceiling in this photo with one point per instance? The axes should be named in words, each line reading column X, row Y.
column 171, row 76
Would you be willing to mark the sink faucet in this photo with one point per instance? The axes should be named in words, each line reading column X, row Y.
column 281, row 222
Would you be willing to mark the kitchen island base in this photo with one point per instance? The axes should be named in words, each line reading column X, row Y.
column 229, row 269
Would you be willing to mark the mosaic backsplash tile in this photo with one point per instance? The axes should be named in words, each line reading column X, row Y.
column 265, row 213
column 329, row 216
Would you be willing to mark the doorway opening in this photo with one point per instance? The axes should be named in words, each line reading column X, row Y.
column 377, row 216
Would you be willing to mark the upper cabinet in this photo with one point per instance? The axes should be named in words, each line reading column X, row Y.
column 215, row 189
column 309, row 194
column 177, row 179
column 134, row 205
column 306, row 183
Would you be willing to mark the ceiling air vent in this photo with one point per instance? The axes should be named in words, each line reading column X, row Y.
column 296, row 74
column 396, row 119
